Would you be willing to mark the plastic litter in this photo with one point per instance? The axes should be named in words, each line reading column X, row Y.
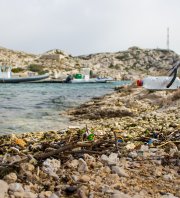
column 90, row 137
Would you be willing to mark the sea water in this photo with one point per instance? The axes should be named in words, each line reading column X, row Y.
column 31, row 107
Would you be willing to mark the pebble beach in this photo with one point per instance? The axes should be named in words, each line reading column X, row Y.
column 126, row 145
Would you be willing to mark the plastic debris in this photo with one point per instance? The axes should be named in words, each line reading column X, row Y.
column 90, row 137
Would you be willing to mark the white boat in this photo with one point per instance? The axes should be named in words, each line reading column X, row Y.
column 91, row 80
column 84, row 77
column 6, row 76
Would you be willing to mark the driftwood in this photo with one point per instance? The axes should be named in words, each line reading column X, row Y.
column 68, row 148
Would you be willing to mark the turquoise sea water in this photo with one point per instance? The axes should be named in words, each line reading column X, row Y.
column 28, row 107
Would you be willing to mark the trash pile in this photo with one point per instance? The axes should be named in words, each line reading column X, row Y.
column 90, row 162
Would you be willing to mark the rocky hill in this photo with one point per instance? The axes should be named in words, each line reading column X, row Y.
column 128, row 64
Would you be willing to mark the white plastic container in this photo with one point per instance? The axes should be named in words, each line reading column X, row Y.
column 159, row 83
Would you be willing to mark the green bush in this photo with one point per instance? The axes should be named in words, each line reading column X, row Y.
column 17, row 70
column 37, row 68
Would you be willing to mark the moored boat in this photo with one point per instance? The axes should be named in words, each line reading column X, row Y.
column 91, row 80
column 85, row 78
column 6, row 76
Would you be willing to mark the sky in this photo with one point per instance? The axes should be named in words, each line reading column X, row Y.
column 81, row 27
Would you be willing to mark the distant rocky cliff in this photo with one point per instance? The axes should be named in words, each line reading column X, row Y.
column 128, row 64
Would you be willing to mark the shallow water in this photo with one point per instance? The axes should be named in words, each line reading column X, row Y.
column 28, row 107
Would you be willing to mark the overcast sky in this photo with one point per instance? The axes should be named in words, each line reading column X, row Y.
column 88, row 26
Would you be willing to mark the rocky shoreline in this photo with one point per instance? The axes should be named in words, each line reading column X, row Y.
column 121, row 65
column 129, row 148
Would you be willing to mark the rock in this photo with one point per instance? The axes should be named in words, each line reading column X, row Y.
column 88, row 157
column 105, row 169
column 168, row 177
column 51, row 165
column 82, row 192
column 113, row 157
column 27, row 167
column 73, row 164
column 53, row 196
column 133, row 154
column 112, row 179
column 84, row 178
column 106, row 189
column 120, row 171
column 70, row 190
column 169, row 195
column 29, row 195
column 10, row 178
column 75, row 178
column 144, row 148
column 82, row 166
column 158, row 171
column 104, row 158
column 91, row 195
column 16, row 187
column 118, row 194
column 45, row 194
column 18, row 194
column 3, row 188
column 130, row 146
column 111, row 160
column 98, row 180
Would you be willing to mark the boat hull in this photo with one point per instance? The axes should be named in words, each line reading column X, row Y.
column 24, row 79
column 91, row 80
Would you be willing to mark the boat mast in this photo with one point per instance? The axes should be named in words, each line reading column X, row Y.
column 168, row 38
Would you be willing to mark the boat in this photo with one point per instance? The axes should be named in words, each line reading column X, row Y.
column 6, row 76
column 84, row 77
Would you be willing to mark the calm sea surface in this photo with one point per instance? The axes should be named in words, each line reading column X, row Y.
column 30, row 107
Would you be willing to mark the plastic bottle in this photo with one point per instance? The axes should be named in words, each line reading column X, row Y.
column 159, row 83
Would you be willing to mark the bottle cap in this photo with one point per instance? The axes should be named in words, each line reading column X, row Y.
column 139, row 83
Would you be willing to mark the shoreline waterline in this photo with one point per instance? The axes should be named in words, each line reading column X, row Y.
column 30, row 107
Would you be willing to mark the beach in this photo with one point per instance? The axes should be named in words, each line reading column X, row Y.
column 126, row 144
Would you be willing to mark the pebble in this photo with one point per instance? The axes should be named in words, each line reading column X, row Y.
column 10, row 178
column 169, row 195
column 30, row 195
column 16, row 187
column 120, row 171
column 84, row 178
column 73, row 164
column 82, row 166
column 118, row 194
column 45, row 194
column 27, row 167
column 111, row 160
column 53, row 196
column 3, row 188
column 51, row 165
column 168, row 177
column 70, row 189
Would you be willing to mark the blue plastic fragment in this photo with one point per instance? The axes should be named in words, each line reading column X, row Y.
column 150, row 141
column 120, row 141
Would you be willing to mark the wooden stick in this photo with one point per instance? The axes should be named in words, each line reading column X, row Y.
column 64, row 148
column 85, row 151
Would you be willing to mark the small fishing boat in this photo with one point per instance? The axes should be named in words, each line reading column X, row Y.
column 85, row 78
column 6, row 76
